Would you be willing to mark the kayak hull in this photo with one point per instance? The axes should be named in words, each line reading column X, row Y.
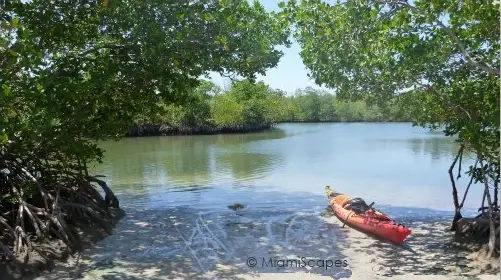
column 374, row 222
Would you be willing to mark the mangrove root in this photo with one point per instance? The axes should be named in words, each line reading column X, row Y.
column 48, row 203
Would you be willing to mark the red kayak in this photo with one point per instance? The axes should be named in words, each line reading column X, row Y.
column 355, row 212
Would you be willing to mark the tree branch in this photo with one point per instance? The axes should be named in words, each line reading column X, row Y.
column 453, row 182
column 468, row 56
column 468, row 187
column 106, row 46
column 492, row 234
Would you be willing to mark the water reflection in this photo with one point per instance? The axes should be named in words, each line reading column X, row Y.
column 436, row 147
column 394, row 164
column 186, row 160
column 245, row 166
column 229, row 140
column 157, row 160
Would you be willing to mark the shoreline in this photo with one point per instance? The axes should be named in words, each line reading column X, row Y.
column 147, row 130
column 56, row 251
column 182, row 243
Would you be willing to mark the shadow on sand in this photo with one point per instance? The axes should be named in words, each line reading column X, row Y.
column 429, row 250
column 192, row 243
column 185, row 244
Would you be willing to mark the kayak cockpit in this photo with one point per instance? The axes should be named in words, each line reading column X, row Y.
column 356, row 205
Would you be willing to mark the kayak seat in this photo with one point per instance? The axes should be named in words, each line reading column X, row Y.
column 356, row 205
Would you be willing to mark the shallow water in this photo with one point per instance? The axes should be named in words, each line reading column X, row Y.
column 400, row 167
column 183, row 243
column 175, row 192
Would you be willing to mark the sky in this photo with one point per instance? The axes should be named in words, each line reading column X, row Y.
column 289, row 74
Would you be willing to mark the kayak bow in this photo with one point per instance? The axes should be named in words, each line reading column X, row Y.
column 355, row 212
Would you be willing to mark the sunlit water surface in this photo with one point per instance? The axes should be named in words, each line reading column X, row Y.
column 400, row 167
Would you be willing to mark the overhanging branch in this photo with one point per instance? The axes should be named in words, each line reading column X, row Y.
column 467, row 55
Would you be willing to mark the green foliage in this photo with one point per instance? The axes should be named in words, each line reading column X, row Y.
column 308, row 104
column 71, row 74
column 249, row 103
column 76, row 72
column 437, row 59
column 226, row 111
column 246, row 90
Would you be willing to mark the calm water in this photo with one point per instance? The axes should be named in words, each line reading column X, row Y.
column 400, row 167
column 175, row 191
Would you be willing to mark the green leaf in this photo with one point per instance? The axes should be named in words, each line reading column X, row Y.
column 6, row 90
column 15, row 22
column 4, row 138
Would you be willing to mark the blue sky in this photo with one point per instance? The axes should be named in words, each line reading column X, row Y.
column 289, row 74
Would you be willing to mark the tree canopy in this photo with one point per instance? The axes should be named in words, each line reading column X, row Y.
column 73, row 73
column 127, row 56
column 439, row 59
column 248, row 105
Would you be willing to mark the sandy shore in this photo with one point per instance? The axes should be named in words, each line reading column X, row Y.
column 183, row 244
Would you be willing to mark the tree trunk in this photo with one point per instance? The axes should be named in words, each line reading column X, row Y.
column 492, row 223
column 469, row 185
column 457, row 217
column 495, row 203
column 457, row 207
column 482, row 207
